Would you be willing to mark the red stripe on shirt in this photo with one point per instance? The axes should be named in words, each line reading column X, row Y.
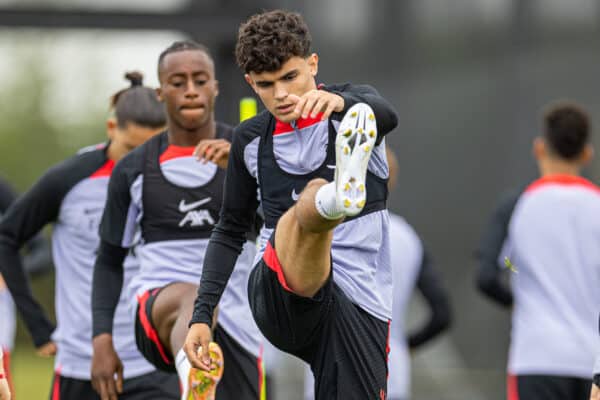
column 173, row 151
column 562, row 180
column 284, row 127
column 105, row 170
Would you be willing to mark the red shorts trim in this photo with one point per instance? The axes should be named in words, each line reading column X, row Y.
column 512, row 387
column 259, row 362
column 148, row 328
column 271, row 260
column 56, row 386
column 6, row 367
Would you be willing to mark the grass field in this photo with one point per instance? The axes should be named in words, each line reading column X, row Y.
column 32, row 374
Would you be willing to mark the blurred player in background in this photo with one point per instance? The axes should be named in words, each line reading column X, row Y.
column 549, row 235
column 4, row 384
column 412, row 267
column 71, row 196
column 37, row 261
column 165, row 203
column 8, row 321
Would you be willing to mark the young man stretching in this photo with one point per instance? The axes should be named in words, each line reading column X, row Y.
column 321, row 289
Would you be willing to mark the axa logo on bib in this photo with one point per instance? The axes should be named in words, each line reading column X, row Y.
column 193, row 216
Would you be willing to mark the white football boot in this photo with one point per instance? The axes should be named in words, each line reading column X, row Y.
column 354, row 144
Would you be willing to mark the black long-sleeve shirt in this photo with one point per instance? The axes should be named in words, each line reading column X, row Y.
column 440, row 317
column 489, row 276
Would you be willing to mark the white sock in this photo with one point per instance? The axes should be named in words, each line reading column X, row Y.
column 183, row 366
column 326, row 203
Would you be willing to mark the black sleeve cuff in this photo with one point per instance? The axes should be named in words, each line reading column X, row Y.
column 106, row 286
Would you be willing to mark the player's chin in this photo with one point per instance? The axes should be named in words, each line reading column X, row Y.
column 191, row 124
column 287, row 117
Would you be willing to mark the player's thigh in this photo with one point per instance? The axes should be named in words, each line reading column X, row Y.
column 290, row 322
column 351, row 361
column 169, row 302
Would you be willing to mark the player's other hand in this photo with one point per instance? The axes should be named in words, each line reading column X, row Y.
column 4, row 388
column 107, row 369
column 215, row 150
column 314, row 102
column 46, row 350
column 198, row 338
column 595, row 394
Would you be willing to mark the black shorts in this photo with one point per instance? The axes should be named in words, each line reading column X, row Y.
column 547, row 387
column 242, row 375
column 153, row 386
column 146, row 335
column 345, row 346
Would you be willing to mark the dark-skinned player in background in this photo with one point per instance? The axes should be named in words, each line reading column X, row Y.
column 164, row 203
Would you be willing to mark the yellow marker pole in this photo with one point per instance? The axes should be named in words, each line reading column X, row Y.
column 248, row 108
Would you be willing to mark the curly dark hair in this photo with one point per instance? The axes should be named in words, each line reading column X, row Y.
column 567, row 129
column 267, row 40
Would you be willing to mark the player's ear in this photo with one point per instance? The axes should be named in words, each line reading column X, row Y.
column 216, row 87
column 539, row 148
column 250, row 82
column 158, row 91
column 586, row 155
column 313, row 64
column 111, row 128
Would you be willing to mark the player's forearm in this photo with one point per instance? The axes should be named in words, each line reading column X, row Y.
column 38, row 260
column 430, row 286
column 106, row 286
column 489, row 282
column 221, row 256
column 38, row 324
column 439, row 321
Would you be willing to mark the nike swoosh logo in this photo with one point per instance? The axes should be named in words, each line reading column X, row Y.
column 88, row 211
column 295, row 195
column 189, row 207
column 330, row 166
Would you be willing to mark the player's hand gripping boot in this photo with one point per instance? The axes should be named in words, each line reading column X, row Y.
column 202, row 384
